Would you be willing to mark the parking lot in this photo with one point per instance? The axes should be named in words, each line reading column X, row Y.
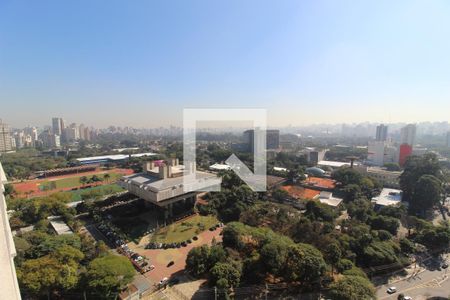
column 160, row 258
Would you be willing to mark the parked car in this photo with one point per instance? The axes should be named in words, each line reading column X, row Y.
column 163, row 281
column 391, row 290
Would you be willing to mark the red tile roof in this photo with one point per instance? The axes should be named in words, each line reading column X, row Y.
column 300, row 192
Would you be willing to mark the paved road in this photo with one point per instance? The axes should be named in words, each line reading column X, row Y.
column 429, row 283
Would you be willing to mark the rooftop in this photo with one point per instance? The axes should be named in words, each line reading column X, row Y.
column 328, row 199
column 113, row 157
column 388, row 197
column 333, row 164
column 280, row 169
column 322, row 183
column 299, row 192
column 150, row 182
column 59, row 225
column 219, row 167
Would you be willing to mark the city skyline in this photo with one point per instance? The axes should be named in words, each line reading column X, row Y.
column 140, row 64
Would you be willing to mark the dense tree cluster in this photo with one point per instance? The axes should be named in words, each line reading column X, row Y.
column 421, row 183
column 23, row 163
column 251, row 255
column 354, row 185
column 36, row 210
column 48, row 264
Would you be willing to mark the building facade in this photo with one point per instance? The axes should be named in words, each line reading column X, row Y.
column 5, row 138
column 408, row 135
column 57, row 126
column 9, row 287
column 405, row 151
column 375, row 153
column 389, row 179
column 381, row 134
column 163, row 185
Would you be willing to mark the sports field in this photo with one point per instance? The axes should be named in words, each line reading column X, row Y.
column 71, row 182
column 42, row 187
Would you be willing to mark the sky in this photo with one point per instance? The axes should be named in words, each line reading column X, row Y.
column 140, row 63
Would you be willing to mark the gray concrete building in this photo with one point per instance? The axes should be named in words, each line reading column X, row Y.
column 163, row 184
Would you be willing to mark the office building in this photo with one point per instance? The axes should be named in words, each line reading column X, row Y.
column 448, row 139
column 72, row 133
column 19, row 138
column 31, row 136
column 381, row 134
column 58, row 126
column 82, row 131
column 9, row 287
column 162, row 185
column 381, row 152
column 5, row 138
column 408, row 135
column 50, row 140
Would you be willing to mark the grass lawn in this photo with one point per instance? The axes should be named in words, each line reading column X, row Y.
column 71, row 182
column 96, row 191
column 183, row 230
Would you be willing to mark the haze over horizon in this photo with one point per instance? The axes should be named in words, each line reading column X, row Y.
column 139, row 64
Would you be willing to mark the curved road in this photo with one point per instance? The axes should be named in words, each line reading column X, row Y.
column 429, row 283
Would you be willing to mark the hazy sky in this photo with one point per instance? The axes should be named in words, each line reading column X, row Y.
column 140, row 63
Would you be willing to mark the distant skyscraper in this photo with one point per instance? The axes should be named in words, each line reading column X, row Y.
column 81, row 132
column 58, row 126
column 5, row 137
column 72, row 133
column 50, row 140
column 382, row 131
column 408, row 134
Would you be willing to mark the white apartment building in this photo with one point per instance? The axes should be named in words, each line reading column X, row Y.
column 9, row 288
column 5, row 138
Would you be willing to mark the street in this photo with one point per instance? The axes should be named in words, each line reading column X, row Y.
column 429, row 283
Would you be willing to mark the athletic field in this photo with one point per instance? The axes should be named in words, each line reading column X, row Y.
column 46, row 186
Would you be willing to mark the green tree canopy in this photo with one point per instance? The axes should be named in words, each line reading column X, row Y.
column 225, row 271
column 352, row 288
column 304, row 263
column 427, row 193
column 108, row 274
column 416, row 167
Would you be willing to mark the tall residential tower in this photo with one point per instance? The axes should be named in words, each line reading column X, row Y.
column 5, row 138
